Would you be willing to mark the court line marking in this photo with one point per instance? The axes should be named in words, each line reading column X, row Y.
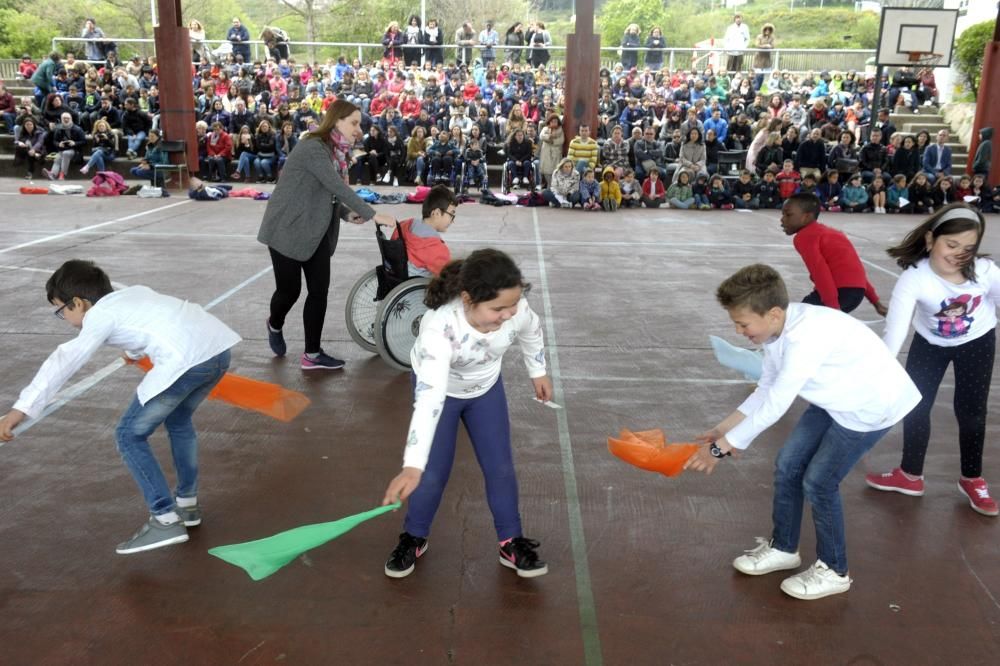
column 584, row 591
column 85, row 384
column 879, row 268
column 74, row 232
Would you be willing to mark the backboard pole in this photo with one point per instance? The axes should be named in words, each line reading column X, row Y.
column 877, row 92
column 988, row 115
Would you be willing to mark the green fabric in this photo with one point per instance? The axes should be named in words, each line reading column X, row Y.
column 263, row 557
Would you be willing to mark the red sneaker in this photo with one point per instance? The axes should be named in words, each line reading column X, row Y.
column 979, row 496
column 895, row 481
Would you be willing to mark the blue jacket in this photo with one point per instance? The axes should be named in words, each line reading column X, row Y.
column 930, row 160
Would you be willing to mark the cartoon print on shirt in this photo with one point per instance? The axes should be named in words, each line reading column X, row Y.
column 955, row 316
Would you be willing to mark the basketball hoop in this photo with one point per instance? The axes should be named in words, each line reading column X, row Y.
column 924, row 59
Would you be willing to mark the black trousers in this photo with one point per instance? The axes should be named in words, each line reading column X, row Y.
column 288, row 286
column 849, row 297
column 926, row 365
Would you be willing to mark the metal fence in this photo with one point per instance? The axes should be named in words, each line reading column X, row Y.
column 795, row 60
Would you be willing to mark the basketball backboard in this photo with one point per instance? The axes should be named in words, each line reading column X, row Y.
column 905, row 31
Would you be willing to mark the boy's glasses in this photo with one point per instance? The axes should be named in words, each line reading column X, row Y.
column 59, row 312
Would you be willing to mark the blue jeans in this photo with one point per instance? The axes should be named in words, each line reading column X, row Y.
column 99, row 159
column 134, row 141
column 814, row 460
column 264, row 166
column 246, row 160
column 488, row 425
column 173, row 408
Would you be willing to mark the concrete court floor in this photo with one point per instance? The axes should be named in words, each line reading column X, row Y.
column 639, row 564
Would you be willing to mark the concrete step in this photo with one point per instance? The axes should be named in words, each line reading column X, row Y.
column 8, row 170
column 932, row 128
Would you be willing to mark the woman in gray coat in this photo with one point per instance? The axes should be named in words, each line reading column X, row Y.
column 302, row 223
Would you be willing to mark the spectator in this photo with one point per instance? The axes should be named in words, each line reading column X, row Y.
column 984, row 152
column 239, row 37
column 736, row 39
column 772, row 155
column 717, row 123
column 692, row 156
column 8, row 108
column 631, row 42
column 136, row 125
column 488, row 40
column 434, row 42
column 884, row 124
column 564, row 186
column 680, row 194
column 465, row 39
column 245, row 152
column 905, row 161
column 392, row 43
column 94, row 50
column 29, row 146
column 615, row 152
column 844, row 156
column 196, row 32
column 812, row 155
column 583, row 150
column 937, row 157
column 413, row 39
column 267, row 151
column 712, row 149
column 26, row 68
column 654, row 194
column 648, row 154
column 539, row 45
column 873, row 157
column 655, row 44
column 276, row 42
column 285, row 143
column 105, row 147
column 154, row 155
column 763, row 59
column 519, row 151
column 44, row 75
column 514, row 43
column 219, row 153
column 552, row 139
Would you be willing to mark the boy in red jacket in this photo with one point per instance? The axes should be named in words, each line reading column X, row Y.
column 426, row 251
column 833, row 263
column 788, row 180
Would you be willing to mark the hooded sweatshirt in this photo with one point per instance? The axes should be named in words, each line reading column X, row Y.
column 984, row 153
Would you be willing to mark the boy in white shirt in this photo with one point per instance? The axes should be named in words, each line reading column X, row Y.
column 856, row 391
column 189, row 349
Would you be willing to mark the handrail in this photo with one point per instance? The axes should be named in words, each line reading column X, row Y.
column 671, row 53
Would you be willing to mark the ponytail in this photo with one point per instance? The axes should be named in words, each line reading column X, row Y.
column 482, row 275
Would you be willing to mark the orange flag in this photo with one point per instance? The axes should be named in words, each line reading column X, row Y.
column 268, row 399
column 649, row 450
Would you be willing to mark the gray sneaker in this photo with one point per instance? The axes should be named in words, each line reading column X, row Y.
column 153, row 535
column 190, row 515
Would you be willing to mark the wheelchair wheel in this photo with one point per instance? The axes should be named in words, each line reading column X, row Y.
column 504, row 178
column 361, row 311
column 398, row 322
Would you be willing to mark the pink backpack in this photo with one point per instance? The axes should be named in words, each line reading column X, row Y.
column 418, row 195
column 107, row 184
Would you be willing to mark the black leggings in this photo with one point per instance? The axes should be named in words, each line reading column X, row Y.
column 848, row 297
column 288, row 286
column 926, row 365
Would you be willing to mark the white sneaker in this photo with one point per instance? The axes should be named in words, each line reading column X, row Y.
column 386, row 177
column 395, row 181
column 816, row 582
column 764, row 559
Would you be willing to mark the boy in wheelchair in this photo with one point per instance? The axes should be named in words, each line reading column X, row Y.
column 426, row 252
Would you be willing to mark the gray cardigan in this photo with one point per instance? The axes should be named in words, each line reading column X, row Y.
column 309, row 201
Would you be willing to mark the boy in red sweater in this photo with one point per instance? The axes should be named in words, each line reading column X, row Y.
column 833, row 263
column 425, row 249
column 788, row 180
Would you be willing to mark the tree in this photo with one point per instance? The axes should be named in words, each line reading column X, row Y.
column 970, row 48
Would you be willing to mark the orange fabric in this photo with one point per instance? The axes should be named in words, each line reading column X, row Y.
column 650, row 451
column 268, row 399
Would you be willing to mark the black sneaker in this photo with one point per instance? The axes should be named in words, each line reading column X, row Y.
column 404, row 558
column 321, row 362
column 277, row 341
column 519, row 554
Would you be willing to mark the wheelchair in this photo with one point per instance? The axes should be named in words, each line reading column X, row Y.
column 508, row 175
column 385, row 306
column 466, row 179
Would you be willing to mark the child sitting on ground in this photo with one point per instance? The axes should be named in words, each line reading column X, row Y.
column 590, row 191
column 897, row 197
column 700, row 191
column 189, row 349
column 631, row 190
column 426, row 251
column 877, row 193
column 829, row 191
column 944, row 192
column 744, row 191
column 475, row 166
column 921, row 194
column 653, row 193
column 611, row 193
column 768, row 193
column 788, row 180
column 808, row 185
column 854, row 196
column 718, row 195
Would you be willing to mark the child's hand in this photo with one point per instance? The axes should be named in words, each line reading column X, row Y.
column 543, row 388
column 7, row 424
column 402, row 486
column 880, row 309
column 385, row 220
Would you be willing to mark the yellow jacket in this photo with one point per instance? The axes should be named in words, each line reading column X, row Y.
column 610, row 188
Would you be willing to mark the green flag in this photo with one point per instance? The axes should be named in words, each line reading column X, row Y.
column 263, row 557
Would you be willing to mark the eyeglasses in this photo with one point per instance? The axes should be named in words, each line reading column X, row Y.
column 59, row 312
column 451, row 214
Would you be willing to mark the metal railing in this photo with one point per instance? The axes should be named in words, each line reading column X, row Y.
column 796, row 60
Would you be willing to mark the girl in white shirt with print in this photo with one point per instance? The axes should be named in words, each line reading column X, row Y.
column 955, row 294
column 478, row 311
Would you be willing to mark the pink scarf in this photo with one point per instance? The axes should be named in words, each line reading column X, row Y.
column 341, row 149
